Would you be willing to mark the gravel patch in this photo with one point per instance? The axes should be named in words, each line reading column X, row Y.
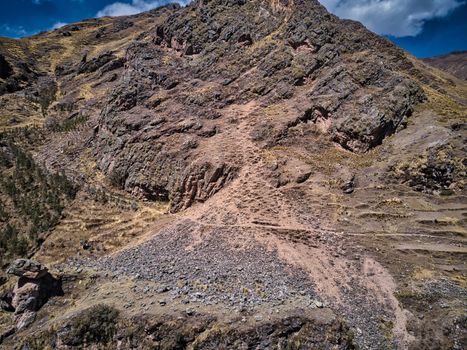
column 197, row 263
column 212, row 270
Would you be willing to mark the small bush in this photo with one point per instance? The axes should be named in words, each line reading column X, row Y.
column 10, row 242
column 97, row 324
column 3, row 213
column 68, row 124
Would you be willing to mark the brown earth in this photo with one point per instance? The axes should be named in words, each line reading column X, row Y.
column 250, row 174
column 454, row 63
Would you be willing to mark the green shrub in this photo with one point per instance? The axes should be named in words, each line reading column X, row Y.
column 68, row 124
column 11, row 243
column 3, row 213
column 31, row 200
column 97, row 324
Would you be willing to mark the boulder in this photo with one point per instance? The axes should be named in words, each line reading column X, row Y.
column 25, row 320
column 5, row 302
column 27, row 268
column 349, row 186
column 26, row 295
column 33, row 289
column 95, row 63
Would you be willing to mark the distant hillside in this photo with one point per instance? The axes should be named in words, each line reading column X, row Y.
column 454, row 63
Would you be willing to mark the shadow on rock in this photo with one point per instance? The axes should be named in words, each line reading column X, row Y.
column 33, row 289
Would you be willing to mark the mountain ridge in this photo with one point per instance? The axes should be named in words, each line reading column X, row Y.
column 253, row 165
column 453, row 63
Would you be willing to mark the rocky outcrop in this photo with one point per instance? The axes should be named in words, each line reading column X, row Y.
column 102, row 327
column 153, row 133
column 266, row 110
column 89, row 66
column 27, row 269
column 5, row 68
column 154, row 126
column 34, row 288
column 438, row 170
column 365, row 101
column 200, row 183
column 17, row 68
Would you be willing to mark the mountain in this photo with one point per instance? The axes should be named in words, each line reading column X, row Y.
column 230, row 174
column 454, row 63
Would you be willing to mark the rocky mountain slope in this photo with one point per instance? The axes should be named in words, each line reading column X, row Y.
column 454, row 63
column 232, row 174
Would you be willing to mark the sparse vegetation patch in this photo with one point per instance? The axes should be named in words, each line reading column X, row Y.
column 31, row 201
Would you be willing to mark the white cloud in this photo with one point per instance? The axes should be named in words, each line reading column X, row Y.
column 136, row 6
column 392, row 17
column 15, row 31
column 58, row 25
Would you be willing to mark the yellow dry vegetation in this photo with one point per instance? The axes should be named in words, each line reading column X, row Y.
column 444, row 92
column 391, row 202
column 328, row 160
column 88, row 167
column 14, row 48
column 86, row 92
column 109, row 226
column 461, row 279
column 423, row 274
column 445, row 105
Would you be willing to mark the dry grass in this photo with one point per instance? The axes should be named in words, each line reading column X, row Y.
column 88, row 167
column 86, row 92
column 107, row 226
column 444, row 105
column 31, row 122
column 17, row 111
column 327, row 161
column 14, row 48
column 53, row 49
column 422, row 274
column 461, row 279
column 444, row 93
column 391, row 203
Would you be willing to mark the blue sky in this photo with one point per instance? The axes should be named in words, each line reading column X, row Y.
column 423, row 27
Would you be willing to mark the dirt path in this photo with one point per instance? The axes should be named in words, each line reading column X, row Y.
column 345, row 281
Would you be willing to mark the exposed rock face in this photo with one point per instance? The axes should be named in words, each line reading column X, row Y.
column 155, row 129
column 436, row 171
column 15, row 74
column 5, row 68
column 158, row 129
column 27, row 269
column 33, row 289
column 280, row 135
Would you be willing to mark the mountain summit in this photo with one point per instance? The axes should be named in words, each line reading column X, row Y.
column 233, row 174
